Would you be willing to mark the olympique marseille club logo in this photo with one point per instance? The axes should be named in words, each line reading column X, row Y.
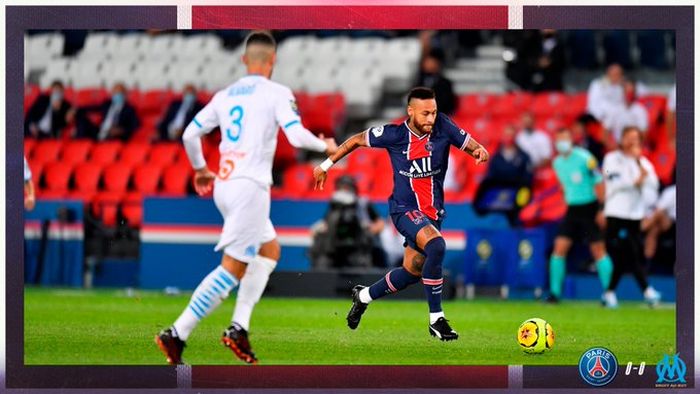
column 597, row 366
column 671, row 372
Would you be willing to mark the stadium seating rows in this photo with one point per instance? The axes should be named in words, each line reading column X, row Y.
column 114, row 176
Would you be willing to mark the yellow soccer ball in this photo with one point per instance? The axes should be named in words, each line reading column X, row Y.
column 535, row 336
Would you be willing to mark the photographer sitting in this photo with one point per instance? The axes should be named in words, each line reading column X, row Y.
column 348, row 236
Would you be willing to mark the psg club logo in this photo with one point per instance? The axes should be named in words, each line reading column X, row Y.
column 429, row 146
column 597, row 366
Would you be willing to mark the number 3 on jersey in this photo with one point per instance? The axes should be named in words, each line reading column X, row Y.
column 234, row 133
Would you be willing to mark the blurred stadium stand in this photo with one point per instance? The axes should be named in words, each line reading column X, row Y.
column 343, row 81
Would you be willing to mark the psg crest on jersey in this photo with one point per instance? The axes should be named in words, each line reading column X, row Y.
column 597, row 366
column 429, row 146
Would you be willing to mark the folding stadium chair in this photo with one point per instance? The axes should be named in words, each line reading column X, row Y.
column 76, row 151
column 474, row 105
column 86, row 179
column 47, row 150
column 105, row 207
column 105, row 152
column 549, row 104
column 116, row 177
column 163, row 153
column 175, row 180
column 57, row 179
column 132, row 209
column 29, row 144
column 134, row 153
column 146, row 178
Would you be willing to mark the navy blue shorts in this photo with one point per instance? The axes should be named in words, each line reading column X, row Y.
column 409, row 223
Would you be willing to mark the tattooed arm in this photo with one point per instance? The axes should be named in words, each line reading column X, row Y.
column 477, row 151
column 352, row 143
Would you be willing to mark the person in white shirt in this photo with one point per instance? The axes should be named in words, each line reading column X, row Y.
column 606, row 92
column 661, row 220
column 627, row 174
column 631, row 113
column 535, row 143
column 248, row 113
column 29, row 195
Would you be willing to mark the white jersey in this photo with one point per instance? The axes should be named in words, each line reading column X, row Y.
column 623, row 200
column 249, row 113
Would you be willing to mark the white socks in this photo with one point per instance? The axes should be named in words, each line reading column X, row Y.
column 365, row 298
column 206, row 297
column 252, row 287
column 436, row 315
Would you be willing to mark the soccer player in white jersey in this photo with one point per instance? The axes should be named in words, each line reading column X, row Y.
column 249, row 113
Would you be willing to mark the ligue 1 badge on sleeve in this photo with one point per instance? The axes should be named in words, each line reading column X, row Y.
column 597, row 366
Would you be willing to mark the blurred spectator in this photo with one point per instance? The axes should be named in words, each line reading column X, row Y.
column 392, row 244
column 348, row 236
column 510, row 164
column 49, row 114
column 119, row 118
column 627, row 175
column 535, row 143
column 179, row 114
column 431, row 76
column 585, row 141
column 505, row 187
column 631, row 113
column 606, row 92
column 538, row 61
column 671, row 117
column 660, row 221
column 29, row 195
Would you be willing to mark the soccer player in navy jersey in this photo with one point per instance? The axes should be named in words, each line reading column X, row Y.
column 419, row 149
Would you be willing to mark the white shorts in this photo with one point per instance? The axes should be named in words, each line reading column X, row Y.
column 245, row 206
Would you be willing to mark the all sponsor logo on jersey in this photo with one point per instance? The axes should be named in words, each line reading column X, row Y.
column 420, row 168
column 671, row 372
column 597, row 366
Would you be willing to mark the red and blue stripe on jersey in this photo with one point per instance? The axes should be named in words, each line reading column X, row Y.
column 419, row 163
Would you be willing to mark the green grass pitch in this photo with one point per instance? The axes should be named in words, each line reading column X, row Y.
column 72, row 327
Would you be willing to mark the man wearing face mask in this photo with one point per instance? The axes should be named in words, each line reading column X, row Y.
column 179, row 114
column 119, row 118
column 628, row 175
column 630, row 113
column 577, row 171
column 49, row 114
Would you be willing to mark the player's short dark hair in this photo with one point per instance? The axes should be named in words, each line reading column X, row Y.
column 260, row 37
column 563, row 130
column 420, row 93
column 57, row 83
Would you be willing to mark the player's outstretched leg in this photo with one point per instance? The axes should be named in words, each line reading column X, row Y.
column 206, row 297
column 432, row 283
column 394, row 280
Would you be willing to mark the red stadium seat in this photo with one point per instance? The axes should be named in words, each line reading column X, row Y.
column 155, row 102
column 175, row 180
column 664, row 161
column 105, row 207
column 105, row 152
column 550, row 125
column 76, row 151
column 204, row 96
column 548, row 104
column 132, row 209
column 285, row 155
column 363, row 160
column 325, row 114
column 576, row 106
column 512, row 104
column 475, row 105
column 47, row 151
column 146, row 178
column 90, row 96
column 37, row 168
column 298, row 180
column 57, row 177
column 655, row 106
column 164, row 153
column 86, row 178
column 116, row 177
column 134, row 153
column 29, row 144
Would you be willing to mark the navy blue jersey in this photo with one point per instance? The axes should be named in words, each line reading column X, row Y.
column 419, row 163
